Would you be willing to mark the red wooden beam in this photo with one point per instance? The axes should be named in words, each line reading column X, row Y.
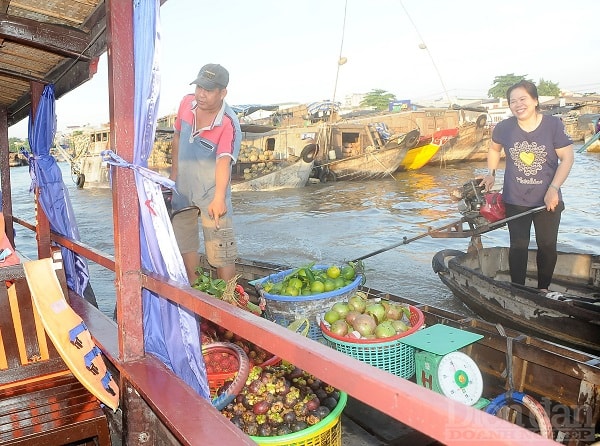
column 6, row 204
column 43, row 225
column 121, row 82
column 435, row 415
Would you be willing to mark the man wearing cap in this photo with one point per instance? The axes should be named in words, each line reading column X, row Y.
column 206, row 143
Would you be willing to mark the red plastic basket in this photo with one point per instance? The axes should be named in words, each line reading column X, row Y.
column 417, row 319
column 388, row 354
column 218, row 380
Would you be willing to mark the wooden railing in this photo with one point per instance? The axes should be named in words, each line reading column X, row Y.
column 428, row 412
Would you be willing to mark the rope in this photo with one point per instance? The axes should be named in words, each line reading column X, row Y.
column 536, row 409
column 508, row 372
column 425, row 47
column 340, row 58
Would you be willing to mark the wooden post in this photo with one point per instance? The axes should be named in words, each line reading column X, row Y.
column 121, row 79
column 5, row 175
column 43, row 225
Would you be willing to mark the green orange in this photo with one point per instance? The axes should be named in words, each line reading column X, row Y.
column 329, row 285
column 333, row 271
column 317, row 286
column 348, row 272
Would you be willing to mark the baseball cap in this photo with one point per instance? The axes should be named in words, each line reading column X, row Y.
column 212, row 76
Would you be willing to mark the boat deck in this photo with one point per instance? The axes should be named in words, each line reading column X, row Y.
column 364, row 426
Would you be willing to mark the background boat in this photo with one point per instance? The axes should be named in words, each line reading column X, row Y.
column 369, row 152
column 418, row 156
column 17, row 160
column 470, row 144
column 269, row 175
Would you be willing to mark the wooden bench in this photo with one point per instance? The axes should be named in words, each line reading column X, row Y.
column 41, row 402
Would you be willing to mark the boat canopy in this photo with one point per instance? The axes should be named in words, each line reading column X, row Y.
column 248, row 109
column 323, row 108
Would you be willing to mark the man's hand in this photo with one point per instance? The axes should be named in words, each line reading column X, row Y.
column 216, row 210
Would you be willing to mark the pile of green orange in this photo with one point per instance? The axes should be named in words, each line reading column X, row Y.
column 310, row 279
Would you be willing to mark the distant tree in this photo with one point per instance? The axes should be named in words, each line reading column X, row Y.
column 378, row 99
column 502, row 83
column 15, row 144
column 548, row 88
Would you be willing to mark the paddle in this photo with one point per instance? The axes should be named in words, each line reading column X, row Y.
column 572, row 299
column 589, row 142
column 431, row 232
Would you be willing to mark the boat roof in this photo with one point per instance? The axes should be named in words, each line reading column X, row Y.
column 44, row 42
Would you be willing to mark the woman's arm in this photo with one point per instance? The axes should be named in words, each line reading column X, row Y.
column 493, row 160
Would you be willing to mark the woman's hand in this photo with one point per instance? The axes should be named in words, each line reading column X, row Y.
column 488, row 182
column 551, row 198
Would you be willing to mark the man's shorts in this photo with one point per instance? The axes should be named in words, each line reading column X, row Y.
column 219, row 244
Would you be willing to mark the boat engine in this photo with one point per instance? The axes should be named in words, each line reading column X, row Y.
column 470, row 198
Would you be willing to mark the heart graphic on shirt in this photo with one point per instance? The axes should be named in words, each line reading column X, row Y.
column 527, row 158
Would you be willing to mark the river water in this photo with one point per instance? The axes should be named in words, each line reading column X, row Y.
column 337, row 222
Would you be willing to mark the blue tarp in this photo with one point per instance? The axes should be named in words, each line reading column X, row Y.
column 53, row 194
column 248, row 109
column 323, row 108
column 170, row 332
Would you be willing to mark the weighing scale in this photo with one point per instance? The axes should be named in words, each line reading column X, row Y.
column 442, row 368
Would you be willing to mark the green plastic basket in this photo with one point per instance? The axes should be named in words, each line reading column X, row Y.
column 392, row 356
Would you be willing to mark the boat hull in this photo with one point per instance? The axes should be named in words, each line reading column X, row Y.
column 471, row 144
column 288, row 177
column 482, row 281
column 558, row 376
column 369, row 165
column 95, row 171
column 417, row 157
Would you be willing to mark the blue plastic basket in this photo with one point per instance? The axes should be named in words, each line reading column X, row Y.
column 286, row 309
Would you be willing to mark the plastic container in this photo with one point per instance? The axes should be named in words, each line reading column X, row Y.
column 390, row 354
column 286, row 309
column 217, row 380
column 327, row 432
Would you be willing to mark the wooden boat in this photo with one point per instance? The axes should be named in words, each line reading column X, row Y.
column 156, row 404
column 272, row 174
column 544, row 367
column 369, row 165
column 17, row 160
column 264, row 172
column 82, row 151
column 592, row 143
column 481, row 279
column 471, row 144
column 346, row 150
column 377, row 160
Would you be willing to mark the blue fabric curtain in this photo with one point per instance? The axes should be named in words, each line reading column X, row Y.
column 170, row 332
column 53, row 194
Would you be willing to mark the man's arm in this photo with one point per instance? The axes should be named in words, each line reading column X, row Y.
column 174, row 156
column 218, row 207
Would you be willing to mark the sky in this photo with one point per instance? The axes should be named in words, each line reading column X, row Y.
column 284, row 51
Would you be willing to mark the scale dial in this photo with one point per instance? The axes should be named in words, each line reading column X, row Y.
column 459, row 378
